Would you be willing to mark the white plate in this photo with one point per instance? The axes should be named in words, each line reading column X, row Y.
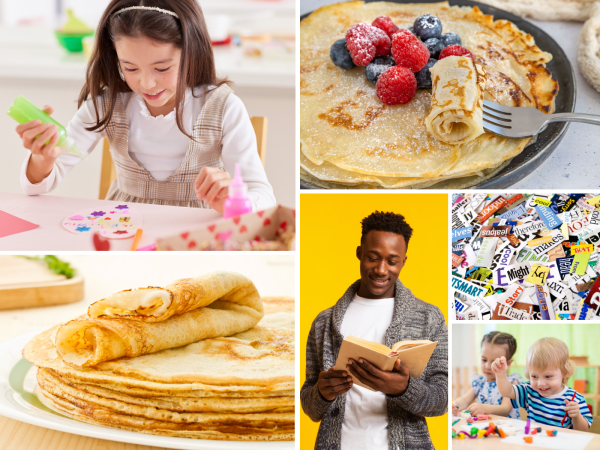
column 25, row 406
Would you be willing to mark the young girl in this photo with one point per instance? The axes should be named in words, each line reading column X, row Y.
column 483, row 387
column 545, row 396
column 175, row 129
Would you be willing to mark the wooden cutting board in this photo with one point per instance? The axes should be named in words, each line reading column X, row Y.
column 26, row 283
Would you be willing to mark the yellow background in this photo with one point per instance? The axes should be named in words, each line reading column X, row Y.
column 329, row 234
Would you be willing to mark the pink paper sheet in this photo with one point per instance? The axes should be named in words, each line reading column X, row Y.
column 10, row 224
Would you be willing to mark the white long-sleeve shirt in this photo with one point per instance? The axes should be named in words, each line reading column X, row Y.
column 157, row 144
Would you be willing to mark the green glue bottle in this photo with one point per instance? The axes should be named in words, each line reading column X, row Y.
column 23, row 111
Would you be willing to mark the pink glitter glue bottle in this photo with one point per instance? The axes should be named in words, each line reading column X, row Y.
column 237, row 202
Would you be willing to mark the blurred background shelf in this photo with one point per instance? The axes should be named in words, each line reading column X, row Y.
column 34, row 54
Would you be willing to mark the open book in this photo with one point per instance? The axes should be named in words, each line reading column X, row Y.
column 413, row 354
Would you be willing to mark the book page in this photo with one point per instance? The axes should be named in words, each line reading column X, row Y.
column 404, row 345
column 380, row 348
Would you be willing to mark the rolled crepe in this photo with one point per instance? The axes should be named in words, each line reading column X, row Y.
column 456, row 115
column 156, row 304
column 85, row 342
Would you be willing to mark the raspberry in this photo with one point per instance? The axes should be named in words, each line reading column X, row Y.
column 455, row 50
column 409, row 51
column 396, row 85
column 385, row 23
column 365, row 42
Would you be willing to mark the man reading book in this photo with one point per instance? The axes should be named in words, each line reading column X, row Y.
column 377, row 308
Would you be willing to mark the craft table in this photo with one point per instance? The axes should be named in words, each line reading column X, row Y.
column 106, row 273
column 48, row 211
column 495, row 442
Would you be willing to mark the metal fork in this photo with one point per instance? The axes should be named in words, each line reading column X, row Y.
column 519, row 122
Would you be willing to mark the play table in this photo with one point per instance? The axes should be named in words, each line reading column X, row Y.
column 495, row 442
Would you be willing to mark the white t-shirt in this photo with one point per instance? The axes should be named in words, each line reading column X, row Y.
column 157, row 144
column 365, row 425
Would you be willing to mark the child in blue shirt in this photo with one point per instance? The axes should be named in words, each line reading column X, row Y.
column 546, row 396
column 484, row 391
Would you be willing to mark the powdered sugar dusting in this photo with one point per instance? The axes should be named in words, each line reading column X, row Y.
column 365, row 42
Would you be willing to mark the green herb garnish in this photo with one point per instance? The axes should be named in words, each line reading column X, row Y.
column 55, row 265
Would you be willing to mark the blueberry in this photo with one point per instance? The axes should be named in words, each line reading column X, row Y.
column 451, row 39
column 376, row 67
column 423, row 76
column 435, row 46
column 428, row 26
column 340, row 55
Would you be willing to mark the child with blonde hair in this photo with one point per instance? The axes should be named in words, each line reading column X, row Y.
column 483, row 387
column 176, row 130
column 546, row 396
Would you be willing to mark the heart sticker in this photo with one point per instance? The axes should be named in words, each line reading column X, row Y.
column 225, row 235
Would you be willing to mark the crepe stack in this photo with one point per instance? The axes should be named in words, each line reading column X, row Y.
column 239, row 387
column 349, row 138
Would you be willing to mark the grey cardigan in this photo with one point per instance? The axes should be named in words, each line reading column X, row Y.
column 425, row 397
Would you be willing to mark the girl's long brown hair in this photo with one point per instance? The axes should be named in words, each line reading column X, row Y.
column 188, row 32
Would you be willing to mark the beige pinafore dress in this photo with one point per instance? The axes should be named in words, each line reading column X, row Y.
column 135, row 184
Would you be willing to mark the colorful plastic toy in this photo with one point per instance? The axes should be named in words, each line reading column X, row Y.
column 464, row 433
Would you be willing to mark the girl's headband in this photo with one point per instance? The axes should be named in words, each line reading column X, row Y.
column 148, row 8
